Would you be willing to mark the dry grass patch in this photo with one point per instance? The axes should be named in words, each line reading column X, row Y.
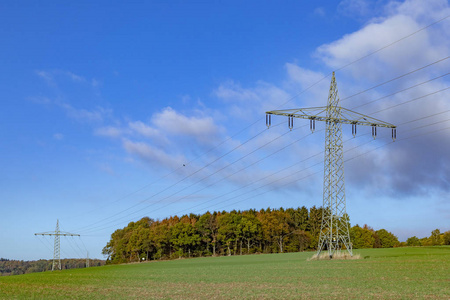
column 338, row 255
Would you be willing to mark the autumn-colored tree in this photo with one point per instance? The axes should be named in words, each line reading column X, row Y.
column 302, row 239
column 426, row 241
column 299, row 218
column 228, row 230
column 446, row 238
column 116, row 248
column 361, row 237
column 160, row 232
column 18, row 267
column 208, row 228
column 184, row 237
column 435, row 237
column 275, row 227
column 413, row 241
column 387, row 239
column 250, row 227
column 226, row 233
column 315, row 224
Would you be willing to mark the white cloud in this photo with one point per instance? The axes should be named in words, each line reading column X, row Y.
column 83, row 115
column 371, row 38
column 417, row 50
column 412, row 166
column 303, row 76
column 185, row 134
column 422, row 11
column 203, row 129
column 74, row 76
column 233, row 92
column 51, row 76
column 95, row 82
column 319, row 11
column 170, row 123
column 40, row 100
column 143, row 129
column 355, row 8
column 58, row 136
column 250, row 103
column 152, row 155
column 312, row 82
column 421, row 165
column 104, row 167
column 109, row 131
column 47, row 76
column 168, row 137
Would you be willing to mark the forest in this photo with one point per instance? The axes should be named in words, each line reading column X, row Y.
column 237, row 233
column 18, row 267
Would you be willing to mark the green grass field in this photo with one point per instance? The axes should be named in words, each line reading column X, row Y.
column 400, row 273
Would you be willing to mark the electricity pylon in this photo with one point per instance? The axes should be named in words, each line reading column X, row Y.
column 56, row 251
column 334, row 233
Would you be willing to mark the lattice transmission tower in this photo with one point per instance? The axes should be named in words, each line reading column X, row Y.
column 57, row 249
column 334, row 233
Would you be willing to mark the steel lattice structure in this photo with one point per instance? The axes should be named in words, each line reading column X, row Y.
column 334, row 233
column 57, row 249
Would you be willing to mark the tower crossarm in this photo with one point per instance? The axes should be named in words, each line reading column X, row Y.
column 345, row 116
column 59, row 233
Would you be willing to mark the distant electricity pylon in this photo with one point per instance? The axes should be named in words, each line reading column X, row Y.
column 56, row 251
column 334, row 233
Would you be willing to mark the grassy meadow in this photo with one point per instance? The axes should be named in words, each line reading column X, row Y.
column 400, row 273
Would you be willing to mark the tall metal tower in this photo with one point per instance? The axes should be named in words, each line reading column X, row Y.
column 56, row 251
column 334, row 233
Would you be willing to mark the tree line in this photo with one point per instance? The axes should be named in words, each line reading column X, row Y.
column 435, row 239
column 231, row 233
column 18, row 267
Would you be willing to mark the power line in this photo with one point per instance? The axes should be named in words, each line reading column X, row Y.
column 73, row 248
column 49, row 248
column 427, row 125
column 412, row 100
column 256, row 162
column 400, row 91
column 366, row 56
column 202, row 179
column 361, row 58
column 301, row 93
column 268, row 176
column 398, row 77
column 433, row 115
column 179, row 181
column 425, row 133
column 91, row 229
column 393, row 43
column 297, row 180
column 272, row 174
column 244, row 168
column 283, row 178
column 181, row 167
column 299, row 171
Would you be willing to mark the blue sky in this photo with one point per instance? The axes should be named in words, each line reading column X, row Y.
column 113, row 111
